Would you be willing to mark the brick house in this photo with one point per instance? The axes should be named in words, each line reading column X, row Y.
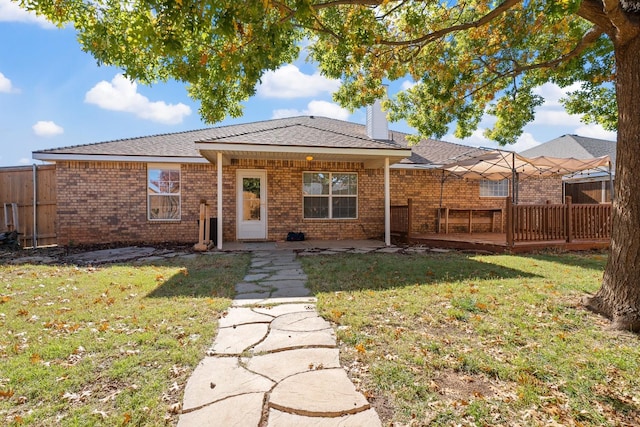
column 327, row 178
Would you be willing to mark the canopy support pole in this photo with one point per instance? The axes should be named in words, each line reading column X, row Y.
column 611, row 190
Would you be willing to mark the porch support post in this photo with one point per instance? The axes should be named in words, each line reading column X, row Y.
column 387, row 204
column 219, row 201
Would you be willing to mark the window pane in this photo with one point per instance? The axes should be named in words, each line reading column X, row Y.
column 344, row 184
column 315, row 184
column 316, row 207
column 164, row 181
column 251, row 199
column 164, row 207
column 344, row 207
column 163, row 188
column 490, row 188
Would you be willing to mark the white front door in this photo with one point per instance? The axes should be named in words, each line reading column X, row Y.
column 251, row 204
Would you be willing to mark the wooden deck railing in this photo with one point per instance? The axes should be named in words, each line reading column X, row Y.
column 532, row 223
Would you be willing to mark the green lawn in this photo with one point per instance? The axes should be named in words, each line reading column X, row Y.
column 455, row 339
column 112, row 345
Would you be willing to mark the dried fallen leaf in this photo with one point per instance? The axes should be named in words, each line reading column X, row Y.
column 175, row 408
column 6, row 394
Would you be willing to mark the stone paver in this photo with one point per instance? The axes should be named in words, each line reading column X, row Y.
column 368, row 418
column 218, row 378
column 313, row 393
column 297, row 361
column 238, row 411
column 235, row 340
column 274, row 362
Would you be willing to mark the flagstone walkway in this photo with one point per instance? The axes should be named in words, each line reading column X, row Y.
column 275, row 362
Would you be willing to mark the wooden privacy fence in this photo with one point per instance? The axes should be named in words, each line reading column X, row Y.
column 567, row 222
column 29, row 208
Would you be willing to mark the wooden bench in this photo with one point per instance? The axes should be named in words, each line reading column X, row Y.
column 472, row 216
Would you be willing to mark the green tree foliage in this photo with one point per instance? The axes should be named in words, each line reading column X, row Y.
column 465, row 57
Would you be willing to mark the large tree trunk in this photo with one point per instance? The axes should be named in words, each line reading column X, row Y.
column 619, row 297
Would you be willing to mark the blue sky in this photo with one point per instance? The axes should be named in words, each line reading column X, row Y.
column 53, row 95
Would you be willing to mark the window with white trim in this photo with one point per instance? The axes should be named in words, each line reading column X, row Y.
column 490, row 188
column 330, row 195
column 163, row 192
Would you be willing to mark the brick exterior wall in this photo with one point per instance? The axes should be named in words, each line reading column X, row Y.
column 540, row 190
column 104, row 202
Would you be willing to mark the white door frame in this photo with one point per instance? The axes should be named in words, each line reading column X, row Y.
column 251, row 229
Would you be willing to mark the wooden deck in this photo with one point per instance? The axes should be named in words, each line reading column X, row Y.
column 497, row 243
column 528, row 228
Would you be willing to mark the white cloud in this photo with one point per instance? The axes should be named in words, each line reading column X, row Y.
column 24, row 161
column 477, row 139
column 555, row 117
column 408, row 84
column 11, row 12
column 47, row 129
column 122, row 94
column 552, row 93
column 315, row 108
column 596, row 131
column 5, row 85
column 290, row 82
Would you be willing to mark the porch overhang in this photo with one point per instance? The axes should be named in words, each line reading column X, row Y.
column 372, row 158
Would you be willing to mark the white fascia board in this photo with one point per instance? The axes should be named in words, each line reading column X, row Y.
column 51, row 157
column 299, row 149
column 414, row 166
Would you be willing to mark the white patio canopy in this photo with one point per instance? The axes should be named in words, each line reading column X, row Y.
column 497, row 165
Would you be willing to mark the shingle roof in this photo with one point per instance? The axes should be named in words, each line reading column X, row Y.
column 295, row 131
column 576, row 146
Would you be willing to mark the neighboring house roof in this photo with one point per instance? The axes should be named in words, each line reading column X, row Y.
column 578, row 147
column 305, row 132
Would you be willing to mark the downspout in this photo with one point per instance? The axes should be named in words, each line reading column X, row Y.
column 441, row 197
column 387, row 204
column 219, row 201
column 34, row 234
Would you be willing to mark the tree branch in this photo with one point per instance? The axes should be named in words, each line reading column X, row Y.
column 503, row 7
column 611, row 18
column 589, row 38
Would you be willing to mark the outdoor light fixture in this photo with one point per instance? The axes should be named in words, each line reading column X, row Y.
column 309, row 158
